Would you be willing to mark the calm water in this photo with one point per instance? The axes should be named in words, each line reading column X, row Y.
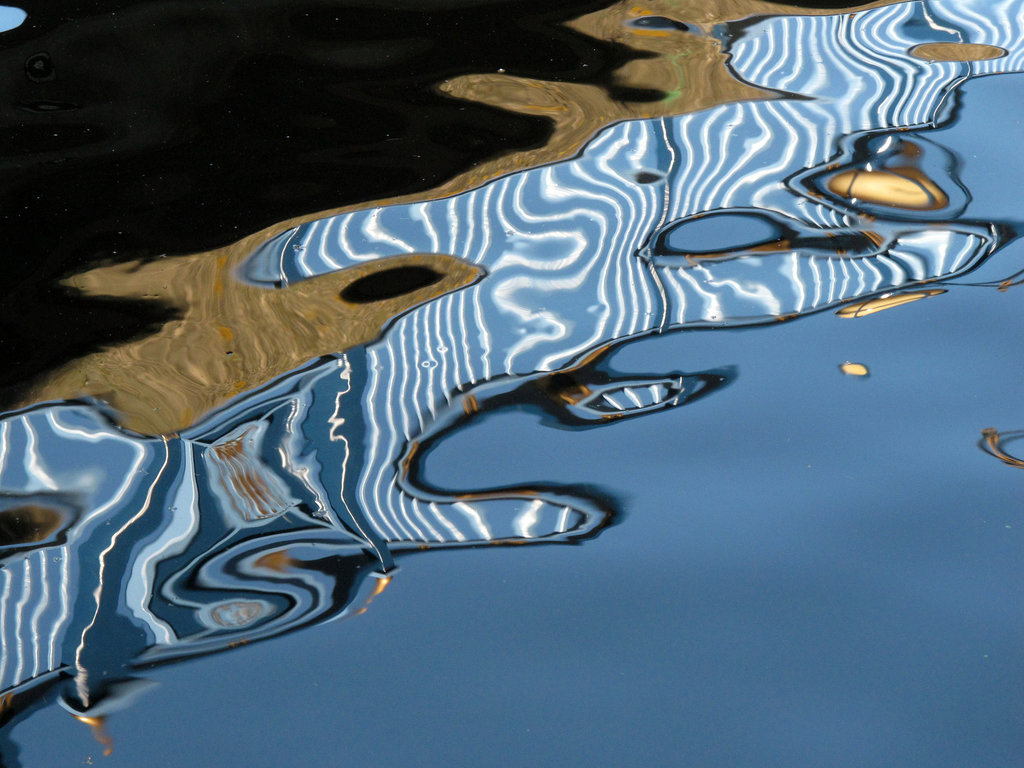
column 639, row 384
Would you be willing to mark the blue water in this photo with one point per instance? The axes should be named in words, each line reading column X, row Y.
column 11, row 17
column 813, row 569
column 666, row 527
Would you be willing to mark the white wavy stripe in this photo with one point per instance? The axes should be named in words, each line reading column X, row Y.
column 748, row 290
column 570, row 230
column 560, row 245
column 723, row 157
column 172, row 538
column 34, row 619
column 863, row 62
column 36, row 615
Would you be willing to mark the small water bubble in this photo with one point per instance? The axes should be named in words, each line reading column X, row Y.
column 428, row 363
column 442, row 349
column 40, row 68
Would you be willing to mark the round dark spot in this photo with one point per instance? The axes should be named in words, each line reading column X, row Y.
column 39, row 68
column 659, row 22
column 389, row 283
column 647, row 177
column 28, row 524
column 46, row 106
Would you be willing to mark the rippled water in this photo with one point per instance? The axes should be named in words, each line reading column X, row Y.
column 709, row 304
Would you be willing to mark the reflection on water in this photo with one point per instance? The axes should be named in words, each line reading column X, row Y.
column 260, row 464
column 854, row 369
column 231, row 335
column 136, row 128
column 995, row 443
column 957, row 52
column 11, row 17
column 885, row 301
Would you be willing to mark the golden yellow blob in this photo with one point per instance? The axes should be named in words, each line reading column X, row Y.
column 278, row 560
column 99, row 732
column 381, row 585
column 957, row 52
column 869, row 307
column 907, row 189
column 854, row 369
column 232, row 338
column 994, row 440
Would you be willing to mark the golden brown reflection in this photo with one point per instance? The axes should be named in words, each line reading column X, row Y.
column 957, row 52
column 708, row 14
column 378, row 589
column 231, row 336
column 897, row 187
column 278, row 560
column 29, row 524
column 992, row 441
column 687, row 65
column 854, row 369
column 888, row 301
column 99, row 732
column 250, row 493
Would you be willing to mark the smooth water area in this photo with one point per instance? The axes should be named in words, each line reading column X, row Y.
column 696, row 446
column 10, row 17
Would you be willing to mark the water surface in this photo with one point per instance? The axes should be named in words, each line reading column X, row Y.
column 719, row 412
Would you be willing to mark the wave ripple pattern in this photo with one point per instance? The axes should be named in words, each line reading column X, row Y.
column 563, row 244
column 288, row 506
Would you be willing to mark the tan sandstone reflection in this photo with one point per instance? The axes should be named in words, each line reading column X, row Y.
column 884, row 302
column 993, row 442
column 686, row 63
column 957, row 52
column 907, row 188
column 231, row 336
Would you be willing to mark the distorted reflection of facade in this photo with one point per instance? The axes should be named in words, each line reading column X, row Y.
column 995, row 442
column 220, row 345
column 288, row 504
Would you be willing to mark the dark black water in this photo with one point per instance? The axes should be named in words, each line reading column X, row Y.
column 739, row 383
column 174, row 127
